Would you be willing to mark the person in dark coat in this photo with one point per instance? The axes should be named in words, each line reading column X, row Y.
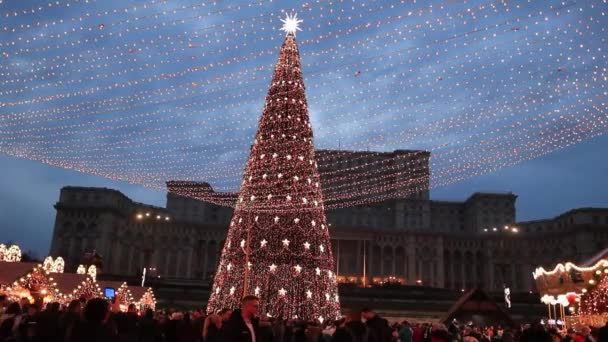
column 535, row 333
column 48, row 324
column 242, row 326
column 185, row 330
column 379, row 328
column 148, row 329
column 603, row 334
column 94, row 326
column 353, row 330
column 212, row 328
column 69, row 318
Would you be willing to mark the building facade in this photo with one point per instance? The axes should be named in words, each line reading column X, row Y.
column 410, row 240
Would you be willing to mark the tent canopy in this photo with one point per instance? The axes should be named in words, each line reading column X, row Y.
column 477, row 307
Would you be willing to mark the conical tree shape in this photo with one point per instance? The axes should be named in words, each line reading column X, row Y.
column 278, row 245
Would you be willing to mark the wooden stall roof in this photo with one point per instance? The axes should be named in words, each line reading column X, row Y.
column 11, row 271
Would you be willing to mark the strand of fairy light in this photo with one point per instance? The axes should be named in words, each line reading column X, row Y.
column 377, row 186
column 424, row 130
column 500, row 143
column 345, row 204
column 189, row 37
column 102, row 27
column 220, row 51
column 128, row 9
column 558, row 137
column 40, row 8
column 74, row 94
column 397, row 16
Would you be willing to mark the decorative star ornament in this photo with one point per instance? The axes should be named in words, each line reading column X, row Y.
column 282, row 291
column 256, row 291
column 308, row 294
column 306, row 245
column 298, row 268
column 285, row 243
column 318, row 271
column 273, row 267
column 291, row 24
column 263, row 243
column 232, row 289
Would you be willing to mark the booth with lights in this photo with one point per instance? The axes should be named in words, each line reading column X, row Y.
column 47, row 282
column 575, row 294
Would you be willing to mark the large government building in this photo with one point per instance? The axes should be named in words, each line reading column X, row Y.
column 410, row 239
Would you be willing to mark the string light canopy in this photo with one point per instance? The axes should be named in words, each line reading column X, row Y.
column 144, row 94
column 278, row 245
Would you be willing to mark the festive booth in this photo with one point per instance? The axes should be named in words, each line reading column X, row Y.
column 10, row 254
column 123, row 294
column 144, row 297
column 476, row 307
column 575, row 290
column 26, row 280
column 87, row 289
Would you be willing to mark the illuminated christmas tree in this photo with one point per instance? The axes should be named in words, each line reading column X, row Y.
column 278, row 245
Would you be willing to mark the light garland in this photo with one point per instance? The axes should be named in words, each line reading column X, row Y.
column 10, row 254
column 88, row 289
column 92, row 272
column 53, row 266
column 36, row 285
column 402, row 40
column 81, row 269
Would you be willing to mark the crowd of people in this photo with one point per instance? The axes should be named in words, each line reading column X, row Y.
column 98, row 320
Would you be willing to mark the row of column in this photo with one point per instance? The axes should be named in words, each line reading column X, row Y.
column 378, row 262
column 179, row 262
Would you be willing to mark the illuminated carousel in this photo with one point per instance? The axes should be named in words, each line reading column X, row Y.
column 576, row 294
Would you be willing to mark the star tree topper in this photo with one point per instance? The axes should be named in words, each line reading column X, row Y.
column 291, row 24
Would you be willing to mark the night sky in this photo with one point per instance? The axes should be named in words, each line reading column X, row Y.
column 506, row 96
